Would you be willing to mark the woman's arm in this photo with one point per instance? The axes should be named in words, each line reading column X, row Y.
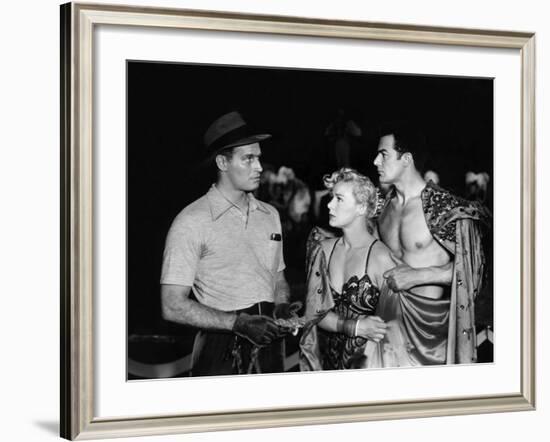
column 335, row 324
column 329, row 322
column 369, row 327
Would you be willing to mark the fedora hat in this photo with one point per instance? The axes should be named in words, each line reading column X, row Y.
column 228, row 131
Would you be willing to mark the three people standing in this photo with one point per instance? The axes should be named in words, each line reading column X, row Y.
column 396, row 289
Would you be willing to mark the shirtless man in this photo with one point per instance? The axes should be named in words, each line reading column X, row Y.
column 429, row 308
column 423, row 265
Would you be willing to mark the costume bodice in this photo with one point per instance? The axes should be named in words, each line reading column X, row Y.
column 359, row 298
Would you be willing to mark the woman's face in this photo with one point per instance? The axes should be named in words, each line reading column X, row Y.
column 343, row 207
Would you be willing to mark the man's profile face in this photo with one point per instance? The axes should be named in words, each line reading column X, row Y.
column 388, row 164
column 243, row 170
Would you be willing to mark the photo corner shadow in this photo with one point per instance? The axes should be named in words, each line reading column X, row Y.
column 51, row 427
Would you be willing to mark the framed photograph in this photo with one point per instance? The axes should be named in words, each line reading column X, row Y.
column 189, row 276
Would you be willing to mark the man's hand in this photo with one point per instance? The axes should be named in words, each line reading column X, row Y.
column 260, row 330
column 285, row 310
column 405, row 277
column 402, row 276
column 371, row 327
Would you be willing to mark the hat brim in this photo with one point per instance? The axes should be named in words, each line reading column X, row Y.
column 242, row 142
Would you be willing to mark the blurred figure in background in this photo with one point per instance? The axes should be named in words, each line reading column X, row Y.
column 292, row 198
column 432, row 176
column 476, row 186
column 339, row 134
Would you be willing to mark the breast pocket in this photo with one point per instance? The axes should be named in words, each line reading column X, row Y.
column 273, row 255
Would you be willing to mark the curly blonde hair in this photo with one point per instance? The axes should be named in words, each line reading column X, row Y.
column 363, row 189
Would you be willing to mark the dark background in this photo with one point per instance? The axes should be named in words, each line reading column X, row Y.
column 171, row 105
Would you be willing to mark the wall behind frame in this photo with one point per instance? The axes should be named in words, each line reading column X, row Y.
column 29, row 232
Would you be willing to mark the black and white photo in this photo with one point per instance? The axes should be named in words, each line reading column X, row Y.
column 295, row 220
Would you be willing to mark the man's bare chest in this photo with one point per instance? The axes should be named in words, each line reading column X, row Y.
column 403, row 228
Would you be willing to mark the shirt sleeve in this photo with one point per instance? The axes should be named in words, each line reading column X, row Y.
column 182, row 253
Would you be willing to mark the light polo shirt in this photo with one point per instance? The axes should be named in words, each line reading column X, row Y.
column 230, row 259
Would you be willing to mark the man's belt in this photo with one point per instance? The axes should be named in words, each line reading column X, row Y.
column 263, row 308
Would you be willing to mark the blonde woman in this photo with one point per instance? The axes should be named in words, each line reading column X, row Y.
column 345, row 277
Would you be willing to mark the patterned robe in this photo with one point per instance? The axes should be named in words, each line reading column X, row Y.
column 458, row 226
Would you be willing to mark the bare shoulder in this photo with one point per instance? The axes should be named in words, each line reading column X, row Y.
column 327, row 245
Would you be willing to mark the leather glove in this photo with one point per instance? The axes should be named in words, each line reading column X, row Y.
column 260, row 330
column 285, row 310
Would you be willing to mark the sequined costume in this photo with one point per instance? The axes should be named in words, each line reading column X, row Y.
column 322, row 350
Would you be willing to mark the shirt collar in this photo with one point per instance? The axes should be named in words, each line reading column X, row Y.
column 220, row 205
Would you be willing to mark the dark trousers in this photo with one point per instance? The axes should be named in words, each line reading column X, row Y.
column 224, row 353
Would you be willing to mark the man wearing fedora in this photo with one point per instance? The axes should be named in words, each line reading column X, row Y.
column 227, row 248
